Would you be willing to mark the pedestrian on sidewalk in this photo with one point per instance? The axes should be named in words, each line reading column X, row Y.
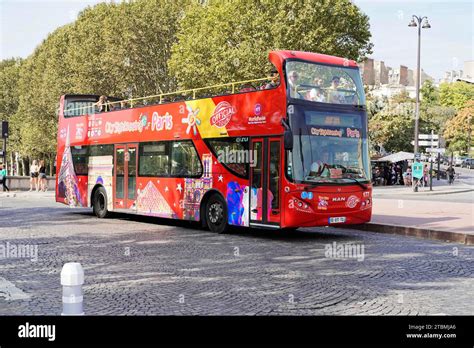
column 34, row 174
column 407, row 177
column 386, row 174
column 426, row 172
column 3, row 178
column 42, row 176
column 393, row 175
column 450, row 173
column 398, row 170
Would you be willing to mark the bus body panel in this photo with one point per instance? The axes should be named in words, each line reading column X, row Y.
column 253, row 115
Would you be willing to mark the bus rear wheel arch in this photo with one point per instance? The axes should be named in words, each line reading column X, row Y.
column 99, row 202
column 214, row 213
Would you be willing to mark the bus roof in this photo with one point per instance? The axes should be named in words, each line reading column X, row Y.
column 312, row 57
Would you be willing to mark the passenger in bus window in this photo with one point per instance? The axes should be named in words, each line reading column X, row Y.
column 293, row 85
column 274, row 79
column 316, row 95
column 335, row 96
column 123, row 105
column 317, row 82
column 102, row 105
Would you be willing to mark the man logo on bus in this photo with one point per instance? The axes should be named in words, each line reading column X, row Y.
column 222, row 114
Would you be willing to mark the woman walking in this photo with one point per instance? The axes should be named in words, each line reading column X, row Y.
column 3, row 178
column 34, row 173
column 42, row 176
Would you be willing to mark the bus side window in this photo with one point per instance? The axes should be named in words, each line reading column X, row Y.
column 154, row 159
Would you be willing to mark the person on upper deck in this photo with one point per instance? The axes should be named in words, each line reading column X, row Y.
column 103, row 105
column 293, row 85
column 335, row 96
column 316, row 94
column 274, row 79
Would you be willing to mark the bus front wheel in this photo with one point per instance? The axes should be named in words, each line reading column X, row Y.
column 100, row 203
column 216, row 214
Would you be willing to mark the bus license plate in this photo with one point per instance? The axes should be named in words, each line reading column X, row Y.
column 337, row 220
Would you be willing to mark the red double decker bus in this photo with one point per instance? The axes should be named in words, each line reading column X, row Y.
column 290, row 153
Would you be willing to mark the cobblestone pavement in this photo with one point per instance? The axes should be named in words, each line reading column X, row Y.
column 143, row 266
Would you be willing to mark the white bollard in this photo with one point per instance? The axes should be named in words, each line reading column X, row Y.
column 72, row 278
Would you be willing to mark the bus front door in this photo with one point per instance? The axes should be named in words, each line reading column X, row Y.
column 265, row 181
column 125, row 176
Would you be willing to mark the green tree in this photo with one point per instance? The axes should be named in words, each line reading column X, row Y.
column 459, row 131
column 456, row 94
column 230, row 40
column 393, row 127
column 429, row 93
column 128, row 46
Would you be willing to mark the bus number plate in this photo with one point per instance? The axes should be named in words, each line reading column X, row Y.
column 337, row 220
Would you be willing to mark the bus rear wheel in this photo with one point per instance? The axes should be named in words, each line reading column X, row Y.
column 99, row 203
column 216, row 214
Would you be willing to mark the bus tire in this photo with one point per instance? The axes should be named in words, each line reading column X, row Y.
column 216, row 214
column 99, row 203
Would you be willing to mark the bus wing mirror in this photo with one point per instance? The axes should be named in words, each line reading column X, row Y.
column 288, row 139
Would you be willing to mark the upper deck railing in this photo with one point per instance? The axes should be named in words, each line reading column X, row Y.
column 182, row 94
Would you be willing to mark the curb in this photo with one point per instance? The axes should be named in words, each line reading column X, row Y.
column 444, row 236
column 427, row 193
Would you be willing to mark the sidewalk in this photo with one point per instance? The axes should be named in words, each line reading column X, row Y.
column 439, row 187
column 427, row 218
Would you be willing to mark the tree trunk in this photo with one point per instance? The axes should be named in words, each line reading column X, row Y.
column 12, row 167
column 25, row 166
column 51, row 164
column 17, row 163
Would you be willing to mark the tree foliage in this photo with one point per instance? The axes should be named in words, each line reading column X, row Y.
column 146, row 47
column 230, row 40
column 459, row 130
column 429, row 93
column 456, row 94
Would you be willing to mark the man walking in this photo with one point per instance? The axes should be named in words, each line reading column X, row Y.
column 450, row 172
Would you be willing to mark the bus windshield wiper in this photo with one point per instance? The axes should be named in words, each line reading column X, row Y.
column 358, row 183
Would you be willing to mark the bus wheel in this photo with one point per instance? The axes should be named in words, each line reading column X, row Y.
column 216, row 214
column 100, row 203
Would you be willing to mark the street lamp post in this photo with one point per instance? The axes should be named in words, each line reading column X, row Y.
column 416, row 21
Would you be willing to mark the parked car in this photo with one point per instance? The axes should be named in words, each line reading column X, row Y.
column 468, row 163
column 457, row 161
column 444, row 160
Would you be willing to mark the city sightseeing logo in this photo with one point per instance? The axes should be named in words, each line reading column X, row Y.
column 352, row 201
column 222, row 114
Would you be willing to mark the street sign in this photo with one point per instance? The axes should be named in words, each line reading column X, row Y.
column 428, row 136
column 426, row 143
column 441, row 150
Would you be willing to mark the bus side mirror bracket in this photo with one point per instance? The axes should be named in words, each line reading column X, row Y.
column 287, row 136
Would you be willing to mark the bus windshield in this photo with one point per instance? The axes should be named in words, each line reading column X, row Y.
column 328, row 148
column 324, row 83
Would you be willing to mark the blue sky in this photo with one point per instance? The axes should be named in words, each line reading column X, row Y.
column 450, row 42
